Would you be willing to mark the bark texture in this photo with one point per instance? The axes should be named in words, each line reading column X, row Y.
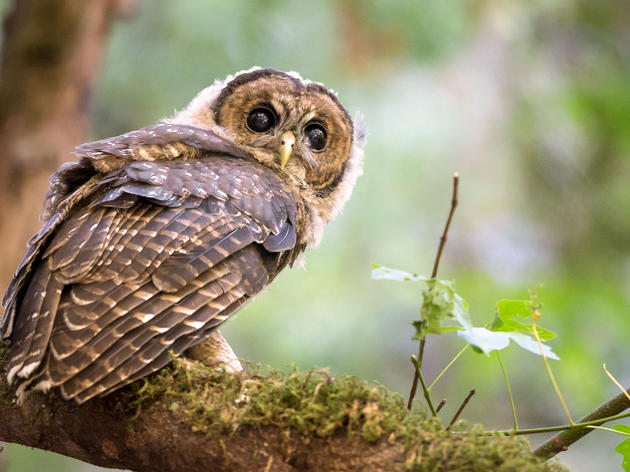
column 50, row 57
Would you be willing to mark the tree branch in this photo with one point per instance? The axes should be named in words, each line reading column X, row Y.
column 561, row 441
column 101, row 432
column 137, row 431
column 189, row 417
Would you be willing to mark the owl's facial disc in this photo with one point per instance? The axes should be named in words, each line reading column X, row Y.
column 300, row 125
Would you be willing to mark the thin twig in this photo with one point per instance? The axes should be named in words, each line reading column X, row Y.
column 449, row 365
column 581, row 427
column 509, row 390
column 611, row 430
column 438, row 256
column 615, row 381
column 427, row 394
column 440, row 406
column 436, row 265
column 548, row 367
column 606, row 412
column 414, row 384
column 461, row 408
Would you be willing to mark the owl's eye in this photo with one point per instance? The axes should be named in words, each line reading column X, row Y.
column 316, row 136
column 261, row 119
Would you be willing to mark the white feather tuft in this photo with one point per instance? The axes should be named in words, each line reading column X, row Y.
column 200, row 111
column 43, row 386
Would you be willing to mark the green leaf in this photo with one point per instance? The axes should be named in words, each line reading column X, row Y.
column 487, row 341
column 439, row 304
column 623, row 447
column 419, row 325
column 530, row 344
column 513, row 326
column 460, row 311
column 484, row 340
column 504, row 320
column 448, row 329
column 512, row 308
column 385, row 273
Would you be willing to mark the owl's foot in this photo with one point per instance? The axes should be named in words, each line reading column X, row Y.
column 216, row 352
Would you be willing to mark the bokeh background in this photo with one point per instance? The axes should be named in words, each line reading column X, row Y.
column 528, row 101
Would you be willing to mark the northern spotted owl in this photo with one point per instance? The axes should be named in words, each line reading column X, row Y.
column 152, row 239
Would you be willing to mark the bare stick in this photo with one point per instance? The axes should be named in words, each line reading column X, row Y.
column 461, row 408
column 436, row 265
column 414, row 384
column 561, row 442
column 440, row 406
column 438, row 256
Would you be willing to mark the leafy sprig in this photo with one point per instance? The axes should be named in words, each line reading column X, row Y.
column 444, row 310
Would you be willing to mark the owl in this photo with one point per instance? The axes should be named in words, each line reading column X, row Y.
column 154, row 238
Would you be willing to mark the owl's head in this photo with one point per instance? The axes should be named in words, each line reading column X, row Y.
column 297, row 127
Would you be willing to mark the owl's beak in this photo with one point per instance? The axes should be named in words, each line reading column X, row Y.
column 286, row 148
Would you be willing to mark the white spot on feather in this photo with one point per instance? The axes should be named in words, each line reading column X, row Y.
column 194, row 324
column 12, row 372
column 146, row 317
column 158, row 329
column 28, row 369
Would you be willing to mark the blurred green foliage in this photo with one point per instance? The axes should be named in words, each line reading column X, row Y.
column 529, row 101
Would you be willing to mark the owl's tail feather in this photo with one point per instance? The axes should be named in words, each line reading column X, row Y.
column 133, row 370
column 34, row 324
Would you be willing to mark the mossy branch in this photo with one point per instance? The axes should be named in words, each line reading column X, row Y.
column 190, row 417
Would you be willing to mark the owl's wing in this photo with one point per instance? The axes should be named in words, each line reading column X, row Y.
column 162, row 253
column 77, row 180
column 157, row 142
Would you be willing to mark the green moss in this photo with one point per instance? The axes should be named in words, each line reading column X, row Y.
column 437, row 449
column 4, row 351
column 6, row 393
column 309, row 402
column 314, row 403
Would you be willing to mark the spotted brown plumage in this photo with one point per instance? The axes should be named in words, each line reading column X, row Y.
column 154, row 238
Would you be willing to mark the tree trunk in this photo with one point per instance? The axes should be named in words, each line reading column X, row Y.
column 51, row 52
